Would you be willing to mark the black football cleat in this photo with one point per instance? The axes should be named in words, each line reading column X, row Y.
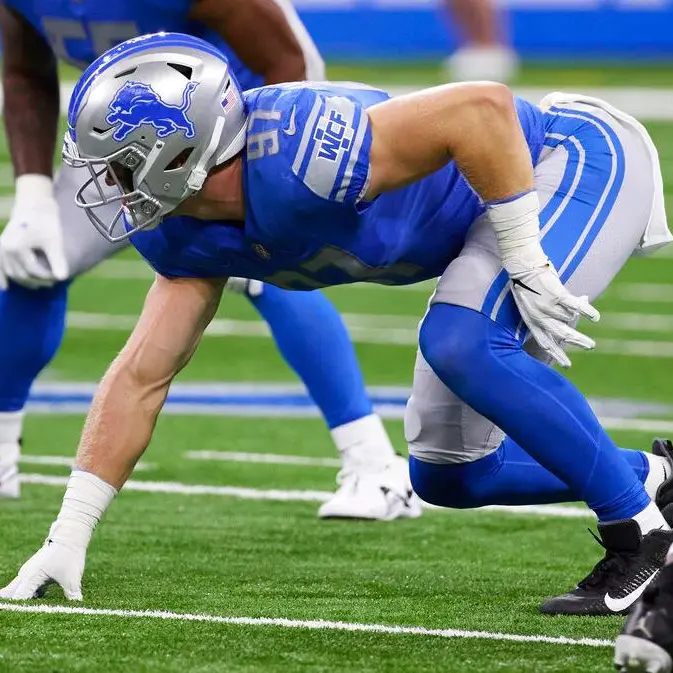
column 664, row 497
column 646, row 642
column 618, row 580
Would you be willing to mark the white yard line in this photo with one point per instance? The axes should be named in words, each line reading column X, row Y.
column 382, row 330
column 653, row 425
column 308, row 624
column 69, row 461
column 277, row 495
column 269, row 458
column 638, row 322
column 641, row 349
column 643, row 292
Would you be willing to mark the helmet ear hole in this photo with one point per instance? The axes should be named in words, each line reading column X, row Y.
column 180, row 160
column 184, row 70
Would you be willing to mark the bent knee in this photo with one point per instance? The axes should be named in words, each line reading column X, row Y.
column 448, row 485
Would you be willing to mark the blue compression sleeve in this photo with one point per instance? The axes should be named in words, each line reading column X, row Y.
column 484, row 364
column 32, row 323
column 313, row 339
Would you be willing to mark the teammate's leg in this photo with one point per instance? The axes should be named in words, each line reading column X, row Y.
column 313, row 340
column 32, row 323
column 484, row 52
column 476, row 351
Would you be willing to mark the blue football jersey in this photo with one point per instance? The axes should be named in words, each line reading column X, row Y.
column 307, row 225
column 81, row 30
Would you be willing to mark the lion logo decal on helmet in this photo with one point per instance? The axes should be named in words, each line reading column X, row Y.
column 136, row 104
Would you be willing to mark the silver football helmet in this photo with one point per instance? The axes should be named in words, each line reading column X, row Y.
column 149, row 119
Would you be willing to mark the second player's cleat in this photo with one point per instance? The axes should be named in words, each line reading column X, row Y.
column 9, row 471
column 630, row 564
column 382, row 494
column 664, row 497
column 646, row 642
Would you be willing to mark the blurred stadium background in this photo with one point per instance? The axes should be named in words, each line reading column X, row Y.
column 229, row 489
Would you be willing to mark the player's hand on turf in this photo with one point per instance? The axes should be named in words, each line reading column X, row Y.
column 32, row 253
column 54, row 563
column 550, row 311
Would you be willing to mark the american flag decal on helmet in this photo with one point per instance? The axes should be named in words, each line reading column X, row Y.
column 230, row 96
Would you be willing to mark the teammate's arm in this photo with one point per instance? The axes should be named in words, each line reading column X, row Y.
column 31, row 94
column 477, row 126
column 119, row 427
column 31, row 109
column 260, row 33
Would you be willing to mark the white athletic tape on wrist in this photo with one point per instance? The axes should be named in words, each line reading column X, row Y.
column 86, row 499
column 516, row 224
column 33, row 187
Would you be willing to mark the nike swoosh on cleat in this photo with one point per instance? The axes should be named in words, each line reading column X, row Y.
column 621, row 604
column 291, row 128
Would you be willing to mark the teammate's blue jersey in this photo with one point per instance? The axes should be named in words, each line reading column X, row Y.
column 81, row 30
column 305, row 173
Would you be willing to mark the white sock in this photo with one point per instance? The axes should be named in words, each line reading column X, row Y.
column 364, row 442
column 660, row 470
column 650, row 519
column 11, row 426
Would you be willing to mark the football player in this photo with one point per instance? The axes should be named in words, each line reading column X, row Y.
column 526, row 213
column 48, row 241
column 646, row 642
column 484, row 52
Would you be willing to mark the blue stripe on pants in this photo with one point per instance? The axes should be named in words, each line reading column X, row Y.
column 578, row 209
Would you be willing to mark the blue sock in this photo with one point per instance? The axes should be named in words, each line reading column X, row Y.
column 483, row 363
column 32, row 323
column 509, row 476
column 314, row 341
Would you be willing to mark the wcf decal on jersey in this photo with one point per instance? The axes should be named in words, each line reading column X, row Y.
column 333, row 135
column 136, row 104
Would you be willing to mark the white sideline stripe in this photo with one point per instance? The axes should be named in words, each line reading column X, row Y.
column 362, row 328
column 646, row 103
column 68, row 461
column 271, row 458
column 308, row 624
column 287, row 496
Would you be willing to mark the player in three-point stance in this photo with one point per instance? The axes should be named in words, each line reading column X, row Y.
column 48, row 241
column 525, row 213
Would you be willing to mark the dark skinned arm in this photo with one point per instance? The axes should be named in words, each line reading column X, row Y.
column 260, row 34
column 31, row 94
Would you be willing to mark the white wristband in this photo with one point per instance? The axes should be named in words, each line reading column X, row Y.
column 517, row 227
column 32, row 187
column 86, row 499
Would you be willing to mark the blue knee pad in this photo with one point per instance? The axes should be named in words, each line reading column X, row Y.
column 313, row 340
column 32, row 323
column 540, row 411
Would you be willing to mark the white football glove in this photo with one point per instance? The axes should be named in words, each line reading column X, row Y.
column 32, row 253
column 549, row 311
column 252, row 288
column 54, row 563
